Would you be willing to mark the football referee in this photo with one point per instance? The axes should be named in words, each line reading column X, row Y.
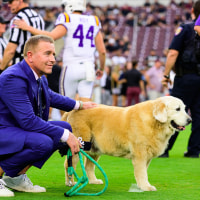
column 14, row 50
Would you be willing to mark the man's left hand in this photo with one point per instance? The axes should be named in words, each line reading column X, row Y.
column 89, row 104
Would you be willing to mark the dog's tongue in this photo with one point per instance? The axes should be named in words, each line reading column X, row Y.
column 181, row 128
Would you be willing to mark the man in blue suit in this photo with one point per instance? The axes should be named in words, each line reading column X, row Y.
column 26, row 137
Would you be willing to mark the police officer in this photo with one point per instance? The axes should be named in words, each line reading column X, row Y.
column 186, row 86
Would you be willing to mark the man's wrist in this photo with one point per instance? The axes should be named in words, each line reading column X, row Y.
column 80, row 105
column 166, row 76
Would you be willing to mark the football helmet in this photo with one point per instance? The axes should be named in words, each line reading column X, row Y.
column 74, row 5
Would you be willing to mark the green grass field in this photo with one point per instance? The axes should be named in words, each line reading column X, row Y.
column 176, row 178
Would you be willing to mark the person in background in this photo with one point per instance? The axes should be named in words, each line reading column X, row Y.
column 183, row 56
column 27, row 137
column 135, row 84
column 3, row 40
column 123, row 87
column 106, row 98
column 151, row 58
column 142, row 69
column 115, row 87
column 154, row 80
column 14, row 49
column 82, row 36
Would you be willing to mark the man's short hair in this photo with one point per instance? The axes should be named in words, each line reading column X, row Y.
column 32, row 42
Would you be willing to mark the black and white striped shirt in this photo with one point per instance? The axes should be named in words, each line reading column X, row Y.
column 3, row 44
column 19, row 36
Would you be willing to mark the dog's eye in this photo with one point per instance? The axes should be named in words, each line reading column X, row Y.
column 178, row 109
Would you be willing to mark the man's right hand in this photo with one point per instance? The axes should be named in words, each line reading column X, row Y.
column 166, row 81
column 73, row 143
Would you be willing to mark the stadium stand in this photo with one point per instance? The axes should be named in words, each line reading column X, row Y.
column 146, row 26
column 100, row 2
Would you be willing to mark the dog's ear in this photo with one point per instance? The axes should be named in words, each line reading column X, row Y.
column 160, row 112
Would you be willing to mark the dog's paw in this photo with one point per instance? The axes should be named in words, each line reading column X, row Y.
column 148, row 188
column 152, row 188
column 70, row 184
column 96, row 182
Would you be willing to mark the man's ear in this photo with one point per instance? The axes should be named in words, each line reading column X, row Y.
column 29, row 56
column 160, row 111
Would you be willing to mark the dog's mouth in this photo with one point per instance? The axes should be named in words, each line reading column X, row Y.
column 176, row 126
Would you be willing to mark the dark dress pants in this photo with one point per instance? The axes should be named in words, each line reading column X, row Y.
column 37, row 149
column 187, row 88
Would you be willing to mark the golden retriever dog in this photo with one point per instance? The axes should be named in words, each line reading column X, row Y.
column 139, row 132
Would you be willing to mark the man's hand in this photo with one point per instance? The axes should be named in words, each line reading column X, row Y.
column 99, row 74
column 21, row 24
column 73, row 143
column 166, row 81
column 88, row 104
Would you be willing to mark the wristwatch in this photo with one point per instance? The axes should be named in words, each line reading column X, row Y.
column 166, row 76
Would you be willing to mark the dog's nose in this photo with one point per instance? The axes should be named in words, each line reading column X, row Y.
column 189, row 120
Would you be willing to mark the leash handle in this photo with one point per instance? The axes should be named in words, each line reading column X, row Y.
column 84, row 179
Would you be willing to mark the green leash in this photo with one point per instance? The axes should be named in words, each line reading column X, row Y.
column 84, row 179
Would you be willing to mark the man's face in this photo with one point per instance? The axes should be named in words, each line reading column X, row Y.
column 15, row 5
column 42, row 58
column 158, row 64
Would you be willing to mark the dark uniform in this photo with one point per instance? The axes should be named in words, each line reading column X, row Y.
column 187, row 83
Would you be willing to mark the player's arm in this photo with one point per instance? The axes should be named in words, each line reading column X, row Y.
column 101, row 50
column 197, row 25
column 58, row 32
column 8, row 55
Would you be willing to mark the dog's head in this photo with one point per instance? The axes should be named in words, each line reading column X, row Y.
column 171, row 110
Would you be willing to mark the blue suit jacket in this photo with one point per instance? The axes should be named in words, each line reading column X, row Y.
column 19, row 109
